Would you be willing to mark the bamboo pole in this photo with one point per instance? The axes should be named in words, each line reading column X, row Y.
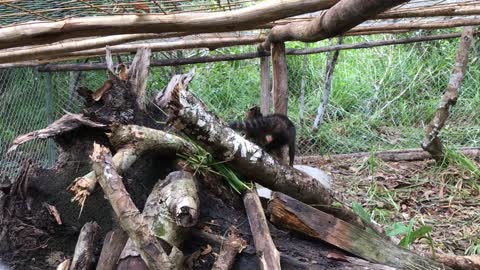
column 243, row 56
column 240, row 19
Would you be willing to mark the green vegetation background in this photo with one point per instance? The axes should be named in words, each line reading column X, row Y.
column 381, row 97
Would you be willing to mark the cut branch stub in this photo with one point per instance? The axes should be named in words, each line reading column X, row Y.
column 189, row 116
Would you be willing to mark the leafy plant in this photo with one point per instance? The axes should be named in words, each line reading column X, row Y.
column 473, row 249
column 410, row 235
column 202, row 161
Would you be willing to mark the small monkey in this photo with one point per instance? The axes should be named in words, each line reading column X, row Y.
column 271, row 132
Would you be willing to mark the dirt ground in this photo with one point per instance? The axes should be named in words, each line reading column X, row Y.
column 445, row 198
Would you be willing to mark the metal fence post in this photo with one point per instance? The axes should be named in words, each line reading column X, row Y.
column 49, row 108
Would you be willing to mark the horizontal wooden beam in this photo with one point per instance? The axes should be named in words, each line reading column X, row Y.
column 337, row 20
column 56, row 50
column 240, row 19
column 243, row 56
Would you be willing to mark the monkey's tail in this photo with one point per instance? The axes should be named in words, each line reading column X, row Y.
column 291, row 146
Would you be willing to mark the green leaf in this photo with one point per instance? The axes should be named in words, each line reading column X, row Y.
column 397, row 229
column 361, row 212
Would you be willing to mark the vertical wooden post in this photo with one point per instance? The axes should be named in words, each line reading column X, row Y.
column 280, row 84
column 265, row 95
column 280, row 88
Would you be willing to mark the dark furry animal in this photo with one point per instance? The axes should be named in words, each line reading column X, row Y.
column 271, row 132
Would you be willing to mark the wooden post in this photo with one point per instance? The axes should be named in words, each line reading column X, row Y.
column 280, row 83
column 431, row 142
column 280, row 88
column 265, row 96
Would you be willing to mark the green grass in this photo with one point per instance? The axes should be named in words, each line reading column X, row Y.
column 392, row 88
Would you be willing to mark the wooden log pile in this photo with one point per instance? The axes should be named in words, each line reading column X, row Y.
column 112, row 157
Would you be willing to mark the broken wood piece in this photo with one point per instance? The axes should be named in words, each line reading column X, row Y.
column 113, row 245
column 172, row 206
column 267, row 254
column 299, row 217
column 431, row 141
column 83, row 256
column 132, row 142
column 97, row 95
column 130, row 219
column 64, row 265
column 233, row 245
column 66, row 123
column 54, row 212
column 190, row 116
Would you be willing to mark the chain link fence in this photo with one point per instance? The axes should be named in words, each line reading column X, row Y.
column 356, row 119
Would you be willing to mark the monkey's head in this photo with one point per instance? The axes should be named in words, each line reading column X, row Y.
column 253, row 112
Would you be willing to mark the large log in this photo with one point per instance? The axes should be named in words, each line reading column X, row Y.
column 337, row 20
column 294, row 215
column 432, row 142
column 190, row 116
column 240, row 19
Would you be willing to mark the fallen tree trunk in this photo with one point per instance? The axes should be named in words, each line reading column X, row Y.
column 267, row 253
column 288, row 212
column 392, row 155
column 83, row 256
column 190, row 116
column 432, row 142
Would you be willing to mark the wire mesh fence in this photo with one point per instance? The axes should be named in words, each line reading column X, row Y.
column 372, row 107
